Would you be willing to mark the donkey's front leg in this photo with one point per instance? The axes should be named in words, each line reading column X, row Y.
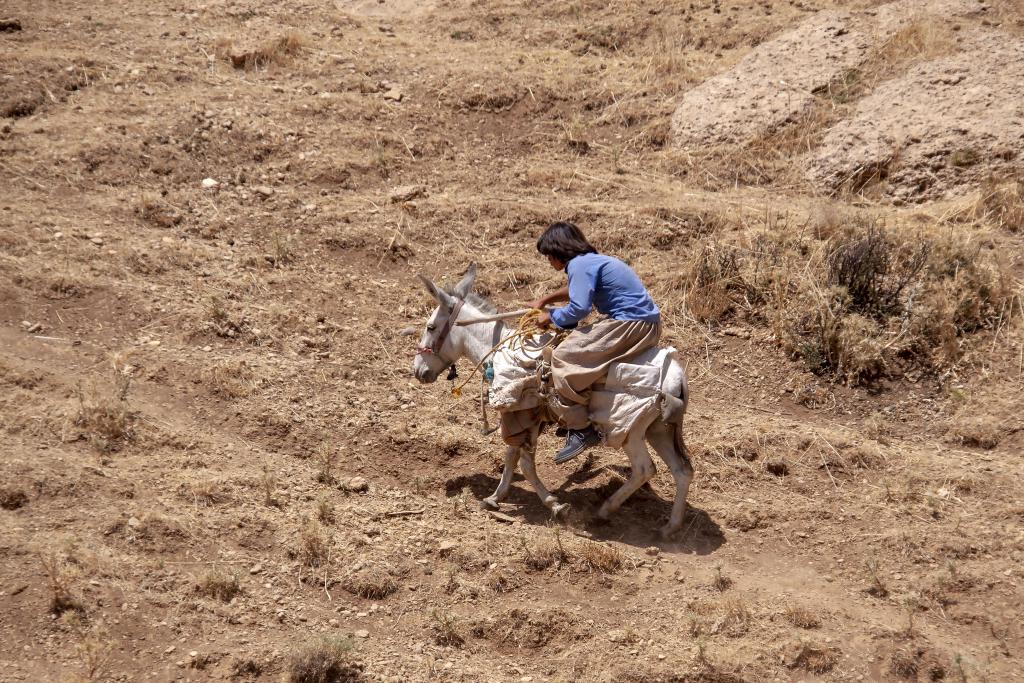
column 530, row 472
column 500, row 493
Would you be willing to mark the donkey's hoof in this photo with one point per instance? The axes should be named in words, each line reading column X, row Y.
column 669, row 530
column 560, row 510
column 490, row 503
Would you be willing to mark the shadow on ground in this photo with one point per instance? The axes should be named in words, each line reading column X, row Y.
column 637, row 523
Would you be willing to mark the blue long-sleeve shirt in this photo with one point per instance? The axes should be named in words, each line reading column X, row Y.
column 604, row 282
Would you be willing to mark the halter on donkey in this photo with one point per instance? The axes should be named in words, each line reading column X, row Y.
column 443, row 343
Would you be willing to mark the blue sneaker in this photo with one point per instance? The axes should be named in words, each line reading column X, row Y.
column 577, row 442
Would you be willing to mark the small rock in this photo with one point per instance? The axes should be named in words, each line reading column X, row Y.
column 193, row 654
column 98, row 241
column 356, row 485
column 9, row 25
column 407, row 331
column 406, row 193
column 653, row 550
column 171, row 648
column 135, row 523
column 446, row 547
column 394, row 94
column 333, row 622
column 256, row 569
column 362, row 633
column 209, row 183
column 263, row 190
column 36, row 327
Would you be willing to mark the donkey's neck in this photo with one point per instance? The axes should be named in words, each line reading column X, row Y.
column 476, row 341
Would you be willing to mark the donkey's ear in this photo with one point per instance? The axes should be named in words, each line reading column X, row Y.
column 465, row 285
column 439, row 294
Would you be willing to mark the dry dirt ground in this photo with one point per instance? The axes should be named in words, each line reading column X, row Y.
column 215, row 465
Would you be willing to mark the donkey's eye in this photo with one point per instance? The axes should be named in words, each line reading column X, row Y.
column 431, row 327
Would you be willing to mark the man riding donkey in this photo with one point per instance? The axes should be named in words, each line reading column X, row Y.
column 632, row 325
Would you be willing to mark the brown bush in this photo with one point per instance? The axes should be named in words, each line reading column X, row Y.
column 326, row 661
column 370, row 581
column 1001, row 203
column 219, row 585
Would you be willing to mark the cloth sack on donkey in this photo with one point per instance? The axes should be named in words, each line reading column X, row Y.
column 631, row 391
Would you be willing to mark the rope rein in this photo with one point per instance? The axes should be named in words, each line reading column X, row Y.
column 526, row 329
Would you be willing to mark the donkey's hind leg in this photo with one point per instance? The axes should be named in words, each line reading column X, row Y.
column 530, row 472
column 511, row 462
column 662, row 438
column 641, row 471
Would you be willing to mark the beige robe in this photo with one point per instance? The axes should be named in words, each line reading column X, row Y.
column 582, row 359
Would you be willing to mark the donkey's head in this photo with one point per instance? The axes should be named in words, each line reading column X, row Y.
column 437, row 351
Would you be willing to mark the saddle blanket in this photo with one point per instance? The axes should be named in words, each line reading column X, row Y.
column 630, row 392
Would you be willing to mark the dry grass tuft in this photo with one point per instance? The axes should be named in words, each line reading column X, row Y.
column 325, row 458
column 547, row 551
column 95, row 651
column 719, row 581
column 801, row 617
column 445, row 628
column 231, row 379
column 601, row 557
column 104, row 416
column 314, row 544
column 60, row 576
column 369, row 581
column 818, row 659
column 219, row 585
column 1001, row 203
column 325, row 511
column 276, row 51
column 327, row 661
column 877, row 586
column 980, row 432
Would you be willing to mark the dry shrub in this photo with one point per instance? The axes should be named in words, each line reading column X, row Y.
column 915, row 662
column 980, row 432
column 325, row 458
column 883, row 303
column 734, row 620
column 369, row 581
column 326, row 661
column 12, row 498
column 522, row 628
column 325, row 511
column 445, row 628
column 219, row 585
column 95, row 651
column 208, row 492
column 153, row 208
column 719, row 581
column 104, row 416
column 801, row 617
column 1001, row 203
column 61, row 576
column 600, row 557
column 231, row 379
column 314, row 544
column 710, row 282
column 811, row 657
column 547, row 551
column 274, row 51
column 924, row 38
column 500, row 581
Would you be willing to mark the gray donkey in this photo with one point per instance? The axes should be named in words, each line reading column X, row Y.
column 443, row 343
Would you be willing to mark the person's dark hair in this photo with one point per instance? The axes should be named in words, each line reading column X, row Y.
column 564, row 241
